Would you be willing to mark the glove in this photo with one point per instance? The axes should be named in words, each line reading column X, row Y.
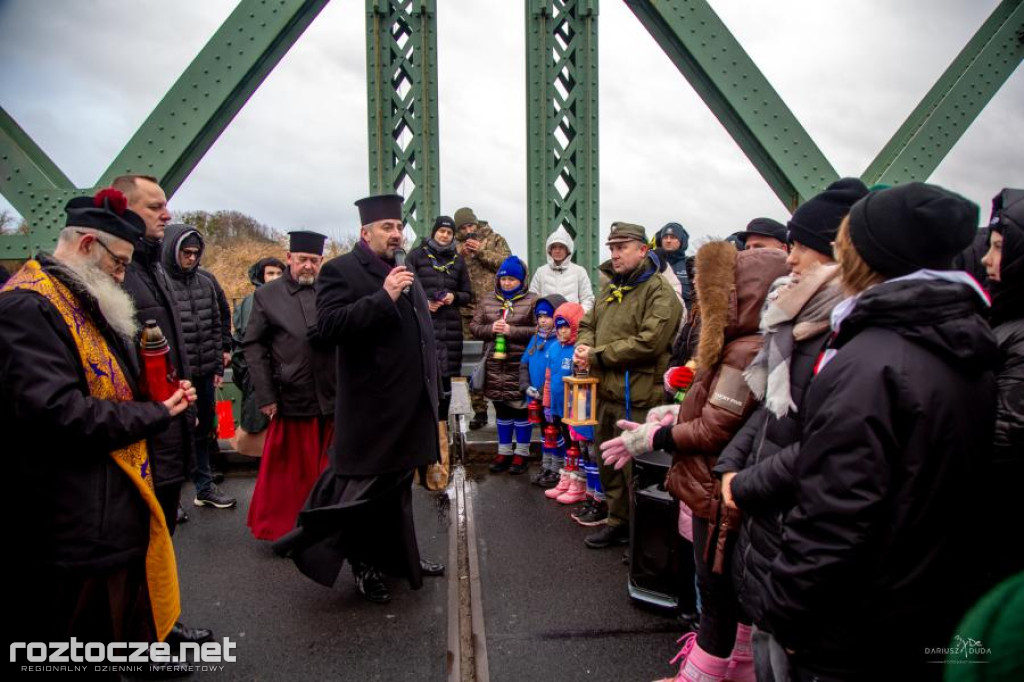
column 532, row 393
column 663, row 415
column 636, row 439
column 678, row 379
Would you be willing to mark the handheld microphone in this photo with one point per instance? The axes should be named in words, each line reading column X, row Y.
column 400, row 260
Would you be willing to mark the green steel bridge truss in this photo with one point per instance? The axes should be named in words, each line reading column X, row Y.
column 562, row 110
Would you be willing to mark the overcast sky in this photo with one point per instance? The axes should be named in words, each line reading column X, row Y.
column 296, row 155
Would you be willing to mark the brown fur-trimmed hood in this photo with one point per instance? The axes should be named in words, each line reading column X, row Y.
column 731, row 287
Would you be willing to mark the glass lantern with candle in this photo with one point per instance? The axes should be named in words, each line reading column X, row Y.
column 580, row 400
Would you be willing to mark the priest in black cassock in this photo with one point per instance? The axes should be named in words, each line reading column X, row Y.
column 292, row 373
column 377, row 316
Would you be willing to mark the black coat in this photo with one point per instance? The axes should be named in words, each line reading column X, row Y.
column 69, row 505
column 880, row 546
column 172, row 450
column 205, row 325
column 287, row 364
column 445, row 273
column 388, row 380
column 764, row 453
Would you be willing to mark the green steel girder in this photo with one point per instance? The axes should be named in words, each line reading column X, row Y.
column 34, row 186
column 212, row 90
column 956, row 99
column 722, row 73
column 401, row 82
column 562, row 126
column 181, row 129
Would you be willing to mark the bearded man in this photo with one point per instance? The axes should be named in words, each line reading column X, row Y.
column 376, row 317
column 94, row 556
column 293, row 379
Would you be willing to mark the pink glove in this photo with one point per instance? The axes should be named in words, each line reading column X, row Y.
column 664, row 415
column 636, row 439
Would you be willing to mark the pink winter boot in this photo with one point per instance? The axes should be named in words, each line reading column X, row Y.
column 563, row 485
column 698, row 665
column 577, row 491
column 741, row 663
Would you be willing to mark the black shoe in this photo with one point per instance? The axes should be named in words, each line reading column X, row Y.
column 549, row 480
column 540, row 474
column 596, row 515
column 214, row 497
column 478, row 421
column 608, row 537
column 519, row 465
column 182, row 633
column 182, row 515
column 370, row 585
column 501, row 464
column 689, row 621
column 430, row 568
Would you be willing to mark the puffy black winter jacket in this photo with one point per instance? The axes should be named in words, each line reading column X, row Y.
column 205, row 327
column 444, row 271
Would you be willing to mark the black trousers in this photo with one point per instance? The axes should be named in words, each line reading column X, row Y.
column 720, row 612
column 169, row 496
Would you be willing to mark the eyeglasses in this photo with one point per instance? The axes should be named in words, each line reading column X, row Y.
column 120, row 261
column 190, row 253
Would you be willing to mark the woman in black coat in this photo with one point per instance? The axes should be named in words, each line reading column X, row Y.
column 879, row 548
column 1004, row 264
column 445, row 279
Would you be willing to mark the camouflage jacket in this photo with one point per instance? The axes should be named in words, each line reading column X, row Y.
column 484, row 264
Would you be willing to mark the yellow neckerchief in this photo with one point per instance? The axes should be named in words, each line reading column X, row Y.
column 509, row 304
column 636, row 278
column 107, row 382
column 446, row 268
column 616, row 291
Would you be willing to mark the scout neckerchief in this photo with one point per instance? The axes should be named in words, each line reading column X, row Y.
column 107, row 381
column 434, row 263
column 634, row 279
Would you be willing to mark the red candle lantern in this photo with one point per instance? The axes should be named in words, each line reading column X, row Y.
column 572, row 457
column 159, row 380
column 535, row 412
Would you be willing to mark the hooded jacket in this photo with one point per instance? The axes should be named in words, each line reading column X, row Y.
column 880, row 545
column 676, row 261
column 444, row 271
column 1007, row 319
column 632, row 335
column 206, row 332
column 566, row 279
column 731, row 289
column 560, row 354
column 534, row 366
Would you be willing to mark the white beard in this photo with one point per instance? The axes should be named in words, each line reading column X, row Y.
column 116, row 306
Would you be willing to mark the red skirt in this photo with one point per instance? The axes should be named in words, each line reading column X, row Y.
column 294, row 454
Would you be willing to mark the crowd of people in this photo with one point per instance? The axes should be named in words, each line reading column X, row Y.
column 839, row 396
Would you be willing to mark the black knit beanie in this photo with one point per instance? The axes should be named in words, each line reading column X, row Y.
column 442, row 221
column 912, row 227
column 815, row 222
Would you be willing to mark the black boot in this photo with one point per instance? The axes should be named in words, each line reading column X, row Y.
column 370, row 585
column 479, row 421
